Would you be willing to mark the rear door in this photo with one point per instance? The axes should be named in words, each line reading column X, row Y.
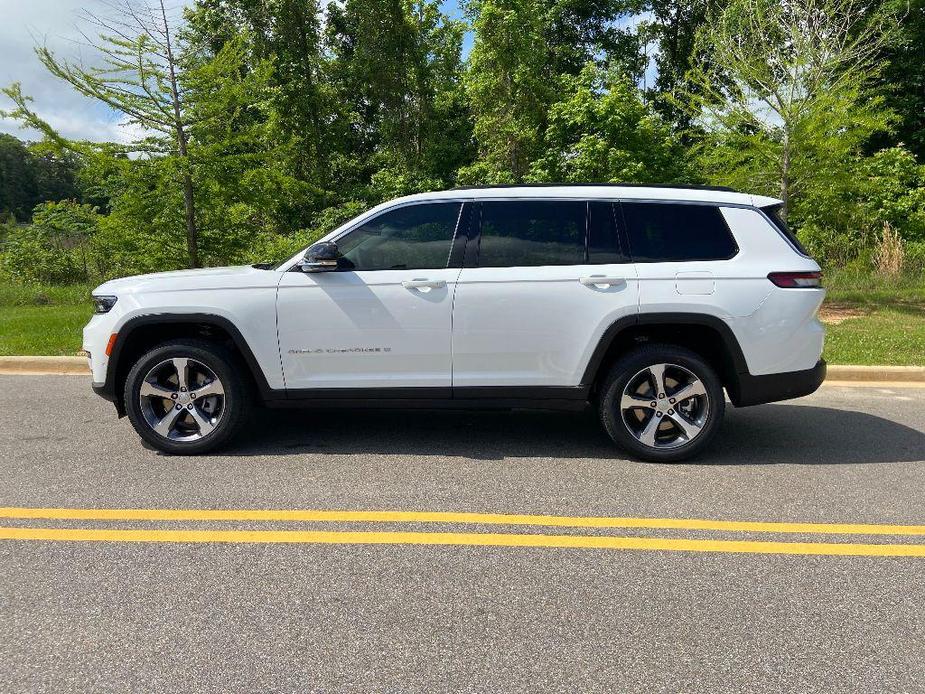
column 544, row 280
column 688, row 260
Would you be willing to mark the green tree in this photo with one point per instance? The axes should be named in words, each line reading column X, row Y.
column 673, row 26
column 396, row 64
column 600, row 131
column 142, row 76
column 903, row 77
column 30, row 175
column 509, row 86
column 786, row 99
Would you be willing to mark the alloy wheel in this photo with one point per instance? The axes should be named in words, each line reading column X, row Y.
column 664, row 406
column 182, row 399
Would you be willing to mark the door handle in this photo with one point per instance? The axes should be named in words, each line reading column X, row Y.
column 601, row 280
column 421, row 283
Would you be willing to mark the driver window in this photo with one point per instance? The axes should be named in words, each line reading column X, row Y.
column 415, row 237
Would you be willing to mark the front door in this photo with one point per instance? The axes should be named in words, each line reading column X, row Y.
column 383, row 319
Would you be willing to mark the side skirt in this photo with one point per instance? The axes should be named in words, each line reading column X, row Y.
column 475, row 398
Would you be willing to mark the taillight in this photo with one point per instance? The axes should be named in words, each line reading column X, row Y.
column 797, row 280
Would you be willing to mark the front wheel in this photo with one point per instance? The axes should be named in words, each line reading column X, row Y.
column 185, row 397
column 662, row 403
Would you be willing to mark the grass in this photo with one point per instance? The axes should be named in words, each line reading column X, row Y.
column 869, row 320
column 887, row 335
column 42, row 320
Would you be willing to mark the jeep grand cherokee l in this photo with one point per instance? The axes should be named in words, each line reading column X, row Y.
column 645, row 303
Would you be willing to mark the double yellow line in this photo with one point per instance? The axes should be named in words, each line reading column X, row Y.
column 459, row 538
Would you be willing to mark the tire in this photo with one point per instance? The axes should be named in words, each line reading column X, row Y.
column 668, row 428
column 198, row 417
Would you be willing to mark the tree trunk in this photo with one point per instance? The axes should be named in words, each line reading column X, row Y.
column 192, row 233
column 189, row 203
column 785, row 177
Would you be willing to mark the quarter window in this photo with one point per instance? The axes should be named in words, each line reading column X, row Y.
column 677, row 232
column 532, row 233
column 415, row 237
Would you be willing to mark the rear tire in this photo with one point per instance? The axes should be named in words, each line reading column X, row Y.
column 185, row 397
column 662, row 403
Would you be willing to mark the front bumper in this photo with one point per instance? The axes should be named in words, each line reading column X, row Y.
column 756, row 390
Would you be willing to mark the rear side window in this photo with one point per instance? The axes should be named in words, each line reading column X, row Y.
column 531, row 233
column 677, row 232
column 775, row 213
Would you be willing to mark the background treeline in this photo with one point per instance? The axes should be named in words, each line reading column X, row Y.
column 267, row 122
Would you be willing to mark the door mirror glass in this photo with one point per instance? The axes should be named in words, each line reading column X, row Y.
column 320, row 257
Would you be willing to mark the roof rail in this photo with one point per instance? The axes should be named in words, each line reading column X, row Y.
column 725, row 189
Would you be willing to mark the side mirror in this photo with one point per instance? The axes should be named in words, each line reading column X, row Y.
column 320, row 257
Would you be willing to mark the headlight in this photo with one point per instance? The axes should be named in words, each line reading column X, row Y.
column 104, row 304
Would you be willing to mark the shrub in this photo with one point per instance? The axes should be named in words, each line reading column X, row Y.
column 889, row 255
column 56, row 247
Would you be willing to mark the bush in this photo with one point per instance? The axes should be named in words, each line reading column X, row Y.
column 56, row 247
column 915, row 257
column 890, row 254
column 896, row 193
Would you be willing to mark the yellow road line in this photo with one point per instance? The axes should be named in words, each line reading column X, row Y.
column 297, row 515
column 460, row 539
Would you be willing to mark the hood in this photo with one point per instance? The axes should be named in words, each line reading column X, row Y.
column 237, row 276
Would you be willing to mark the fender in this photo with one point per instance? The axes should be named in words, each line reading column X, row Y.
column 731, row 344
column 108, row 389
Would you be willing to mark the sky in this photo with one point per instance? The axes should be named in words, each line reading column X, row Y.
column 53, row 22
column 26, row 23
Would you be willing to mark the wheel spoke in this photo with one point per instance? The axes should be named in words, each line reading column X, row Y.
column 153, row 390
column 690, row 429
column 205, row 424
column 213, row 388
column 658, row 376
column 647, row 435
column 631, row 400
column 689, row 391
column 181, row 364
column 166, row 423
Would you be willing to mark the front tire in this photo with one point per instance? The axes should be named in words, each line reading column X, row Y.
column 662, row 403
column 185, row 397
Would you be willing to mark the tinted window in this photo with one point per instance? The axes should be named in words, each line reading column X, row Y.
column 667, row 231
column 416, row 237
column 532, row 233
column 603, row 239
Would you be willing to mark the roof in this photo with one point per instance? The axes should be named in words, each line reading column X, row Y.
column 597, row 191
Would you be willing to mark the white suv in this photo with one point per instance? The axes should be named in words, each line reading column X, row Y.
column 644, row 302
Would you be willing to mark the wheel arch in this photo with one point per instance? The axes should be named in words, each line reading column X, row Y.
column 141, row 333
column 707, row 335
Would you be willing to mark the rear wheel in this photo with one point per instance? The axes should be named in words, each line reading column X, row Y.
column 185, row 397
column 662, row 403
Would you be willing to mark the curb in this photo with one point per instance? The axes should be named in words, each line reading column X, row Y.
column 835, row 372
column 44, row 366
column 855, row 374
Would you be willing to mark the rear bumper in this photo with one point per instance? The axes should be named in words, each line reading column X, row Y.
column 755, row 390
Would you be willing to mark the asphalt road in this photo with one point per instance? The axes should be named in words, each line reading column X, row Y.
column 248, row 616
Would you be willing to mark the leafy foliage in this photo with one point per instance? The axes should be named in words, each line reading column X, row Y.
column 600, row 131
column 266, row 123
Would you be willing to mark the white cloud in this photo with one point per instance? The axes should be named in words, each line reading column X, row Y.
column 55, row 23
